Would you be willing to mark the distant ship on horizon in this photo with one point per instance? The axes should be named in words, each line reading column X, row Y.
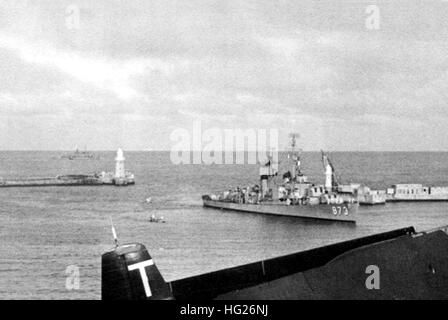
column 80, row 155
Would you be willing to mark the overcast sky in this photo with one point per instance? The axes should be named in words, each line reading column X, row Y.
column 132, row 72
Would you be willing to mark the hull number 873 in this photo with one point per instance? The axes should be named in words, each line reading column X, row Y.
column 340, row 210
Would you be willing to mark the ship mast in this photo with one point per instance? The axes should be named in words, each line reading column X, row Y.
column 267, row 172
column 295, row 156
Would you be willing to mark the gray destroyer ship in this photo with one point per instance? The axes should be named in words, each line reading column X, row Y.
column 295, row 196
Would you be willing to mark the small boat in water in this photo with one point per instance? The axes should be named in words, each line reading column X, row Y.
column 156, row 219
column 295, row 196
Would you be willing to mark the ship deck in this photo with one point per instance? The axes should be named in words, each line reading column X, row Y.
column 335, row 212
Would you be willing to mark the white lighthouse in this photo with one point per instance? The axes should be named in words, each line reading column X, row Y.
column 119, row 165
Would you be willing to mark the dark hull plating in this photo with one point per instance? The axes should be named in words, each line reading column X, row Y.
column 410, row 265
column 336, row 212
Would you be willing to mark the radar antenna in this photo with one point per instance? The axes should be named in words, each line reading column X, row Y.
column 293, row 142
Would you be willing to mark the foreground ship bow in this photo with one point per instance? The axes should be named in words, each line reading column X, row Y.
column 406, row 264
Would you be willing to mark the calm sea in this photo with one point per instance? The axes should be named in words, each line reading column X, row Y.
column 45, row 230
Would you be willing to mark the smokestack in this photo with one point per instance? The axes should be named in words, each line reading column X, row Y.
column 328, row 178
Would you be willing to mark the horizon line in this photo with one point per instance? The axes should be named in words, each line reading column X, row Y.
column 164, row 150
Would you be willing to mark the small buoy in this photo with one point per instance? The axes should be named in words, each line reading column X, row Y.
column 148, row 200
